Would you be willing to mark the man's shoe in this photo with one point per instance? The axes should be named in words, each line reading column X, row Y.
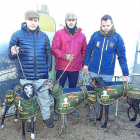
column 49, row 123
column 75, row 114
column 55, row 116
column 28, row 127
column 111, row 117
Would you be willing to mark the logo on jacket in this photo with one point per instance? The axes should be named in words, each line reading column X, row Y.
column 111, row 44
column 98, row 44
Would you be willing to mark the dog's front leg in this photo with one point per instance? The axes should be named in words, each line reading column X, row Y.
column 101, row 113
column 32, row 129
column 137, row 109
column 135, row 106
column 92, row 113
column 132, row 102
column 16, row 115
column 23, row 129
column 106, row 116
column 66, row 123
column 3, row 118
column 63, row 123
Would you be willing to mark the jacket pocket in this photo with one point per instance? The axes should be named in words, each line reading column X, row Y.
column 94, row 60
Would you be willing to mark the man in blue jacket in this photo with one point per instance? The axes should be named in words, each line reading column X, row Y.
column 33, row 48
column 101, row 53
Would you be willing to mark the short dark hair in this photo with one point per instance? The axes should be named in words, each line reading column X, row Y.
column 106, row 17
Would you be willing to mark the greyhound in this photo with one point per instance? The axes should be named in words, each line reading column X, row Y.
column 134, row 103
column 26, row 92
column 50, row 84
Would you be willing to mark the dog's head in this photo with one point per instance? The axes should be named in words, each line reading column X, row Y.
column 29, row 90
column 98, row 82
column 48, row 84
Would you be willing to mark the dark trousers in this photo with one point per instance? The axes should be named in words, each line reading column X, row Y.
column 72, row 79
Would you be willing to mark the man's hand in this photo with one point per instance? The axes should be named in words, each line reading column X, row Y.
column 126, row 78
column 85, row 69
column 14, row 50
column 69, row 57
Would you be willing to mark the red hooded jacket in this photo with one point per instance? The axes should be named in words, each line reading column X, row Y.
column 64, row 43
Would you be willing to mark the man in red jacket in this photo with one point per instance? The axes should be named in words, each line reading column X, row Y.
column 69, row 44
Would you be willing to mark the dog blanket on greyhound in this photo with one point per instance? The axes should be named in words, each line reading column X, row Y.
column 115, row 90
column 26, row 108
column 67, row 100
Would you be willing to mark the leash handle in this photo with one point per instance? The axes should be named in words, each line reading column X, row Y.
column 64, row 71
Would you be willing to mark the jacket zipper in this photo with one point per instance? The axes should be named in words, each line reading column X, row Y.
column 107, row 45
column 35, row 56
column 72, row 38
column 101, row 55
column 112, row 58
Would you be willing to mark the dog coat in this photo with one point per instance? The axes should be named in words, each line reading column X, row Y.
column 116, row 90
column 26, row 108
column 67, row 100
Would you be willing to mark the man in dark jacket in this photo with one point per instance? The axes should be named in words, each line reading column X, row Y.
column 35, row 59
column 101, row 53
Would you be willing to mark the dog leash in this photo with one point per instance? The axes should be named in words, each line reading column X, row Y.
column 20, row 65
column 90, row 79
column 64, row 71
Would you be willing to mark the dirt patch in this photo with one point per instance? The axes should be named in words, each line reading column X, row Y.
column 79, row 128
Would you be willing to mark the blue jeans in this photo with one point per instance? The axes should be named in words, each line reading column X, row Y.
column 106, row 78
column 72, row 79
column 43, row 98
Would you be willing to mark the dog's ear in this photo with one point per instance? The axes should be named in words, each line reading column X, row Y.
column 93, row 79
column 52, row 81
column 101, row 79
column 23, row 87
column 102, row 83
column 33, row 85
